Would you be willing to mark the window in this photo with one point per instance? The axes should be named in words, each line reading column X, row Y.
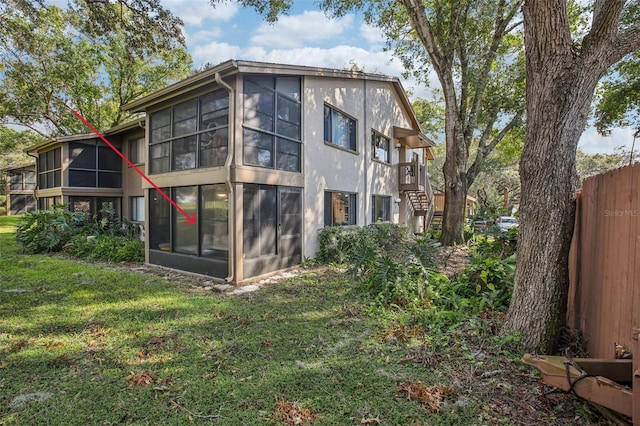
column 208, row 238
column 339, row 208
column 190, row 135
column 136, row 152
column 20, row 180
column 137, row 209
column 380, row 145
column 380, row 209
column 339, row 129
column 272, row 122
column 94, row 165
column 94, row 205
column 49, row 166
column 260, row 220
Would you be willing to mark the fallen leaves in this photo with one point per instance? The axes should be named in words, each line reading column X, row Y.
column 136, row 380
column 292, row 414
column 430, row 397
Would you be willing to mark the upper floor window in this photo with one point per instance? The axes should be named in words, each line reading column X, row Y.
column 339, row 128
column 136, row 150
column 20, row 180
column 190, row 134
column 272, row 122
column 94, row 165
column 380, row 147
column 339, row 208
column 49, row 167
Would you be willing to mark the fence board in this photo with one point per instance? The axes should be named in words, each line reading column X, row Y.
column 604, row 295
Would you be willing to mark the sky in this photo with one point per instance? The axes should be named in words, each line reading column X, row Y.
column 307, row 37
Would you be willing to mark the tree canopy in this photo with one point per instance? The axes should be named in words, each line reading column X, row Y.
column 93, row 57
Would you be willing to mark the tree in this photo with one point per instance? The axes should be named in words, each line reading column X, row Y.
column 54, row 60
column 473, row 47
column 619, row 97
column 562, row 74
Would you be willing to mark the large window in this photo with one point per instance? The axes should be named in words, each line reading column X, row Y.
column 339, row 208
column 339, row 129
column 49, row 169
column 191, row 134
column 272, row 122
column 260, row 220
column 380, row 147
column 380, row 208
column 208, row 237
column 94, row 165
column 22, row 179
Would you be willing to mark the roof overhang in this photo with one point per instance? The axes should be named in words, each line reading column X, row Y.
column 413, row 139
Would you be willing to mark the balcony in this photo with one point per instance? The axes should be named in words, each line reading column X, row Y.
column 413, row 181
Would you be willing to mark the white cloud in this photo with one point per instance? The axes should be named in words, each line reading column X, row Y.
column 214, row 53
column 591, row 142
column 299, row 30
column 372, row 35
column 194, row 12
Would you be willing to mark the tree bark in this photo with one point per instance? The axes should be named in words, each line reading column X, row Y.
column 560, row 84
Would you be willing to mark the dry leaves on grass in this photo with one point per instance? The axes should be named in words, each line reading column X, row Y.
column 136, row 380
column 292, row 414
column 430, row 397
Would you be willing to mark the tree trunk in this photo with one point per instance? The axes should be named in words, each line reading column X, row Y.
column 560, row 87
column 455, row 195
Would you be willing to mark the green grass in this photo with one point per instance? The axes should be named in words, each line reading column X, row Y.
column 109, row 345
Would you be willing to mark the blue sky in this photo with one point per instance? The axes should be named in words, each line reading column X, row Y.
column 307, row 37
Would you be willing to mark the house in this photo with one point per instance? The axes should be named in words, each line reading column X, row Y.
column 266, row 155
column 84, row 173
column 438, row 205
column 20, row 183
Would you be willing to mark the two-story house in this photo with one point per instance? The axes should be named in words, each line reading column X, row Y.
column 87, row 175
column 266, row 155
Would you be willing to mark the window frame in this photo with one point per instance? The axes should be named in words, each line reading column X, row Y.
column 135, row 210
column 47, row 173
column 329, row 210
column 386, row 208
column 97, row 168
column 273, row 141
column 376, row 139
column 163, row 153
column 329, row 113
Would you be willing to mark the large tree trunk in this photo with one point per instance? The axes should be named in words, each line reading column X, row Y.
column 560, row 86
column 455, row 195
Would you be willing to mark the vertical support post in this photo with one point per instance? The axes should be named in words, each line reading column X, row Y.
column 636, row 375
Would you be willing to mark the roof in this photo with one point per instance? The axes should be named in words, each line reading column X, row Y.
column 18, row 166
column 232, row 67
column 130, row 125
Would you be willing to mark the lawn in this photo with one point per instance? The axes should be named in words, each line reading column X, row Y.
column 94, row 343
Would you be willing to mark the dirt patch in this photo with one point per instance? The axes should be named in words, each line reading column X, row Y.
column 454, row 259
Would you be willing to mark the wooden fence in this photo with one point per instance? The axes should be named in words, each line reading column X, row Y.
column 604, row 292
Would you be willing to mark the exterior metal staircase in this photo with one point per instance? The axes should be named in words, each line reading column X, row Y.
column 413, row 181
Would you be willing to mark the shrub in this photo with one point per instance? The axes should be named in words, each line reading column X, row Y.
column 48, row 230
column 106, row 247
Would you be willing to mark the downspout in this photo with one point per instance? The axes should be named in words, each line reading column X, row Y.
column 227, row 167
column 367, row 197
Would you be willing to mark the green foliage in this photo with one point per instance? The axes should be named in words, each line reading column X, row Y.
column 106, row 247
column 103, row 236
column 48, row 230
column 54, row 59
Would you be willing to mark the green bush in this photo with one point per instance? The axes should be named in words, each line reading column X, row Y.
column 102, row 236
column 106, row 247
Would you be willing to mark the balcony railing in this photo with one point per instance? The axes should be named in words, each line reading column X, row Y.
column 413, row 177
